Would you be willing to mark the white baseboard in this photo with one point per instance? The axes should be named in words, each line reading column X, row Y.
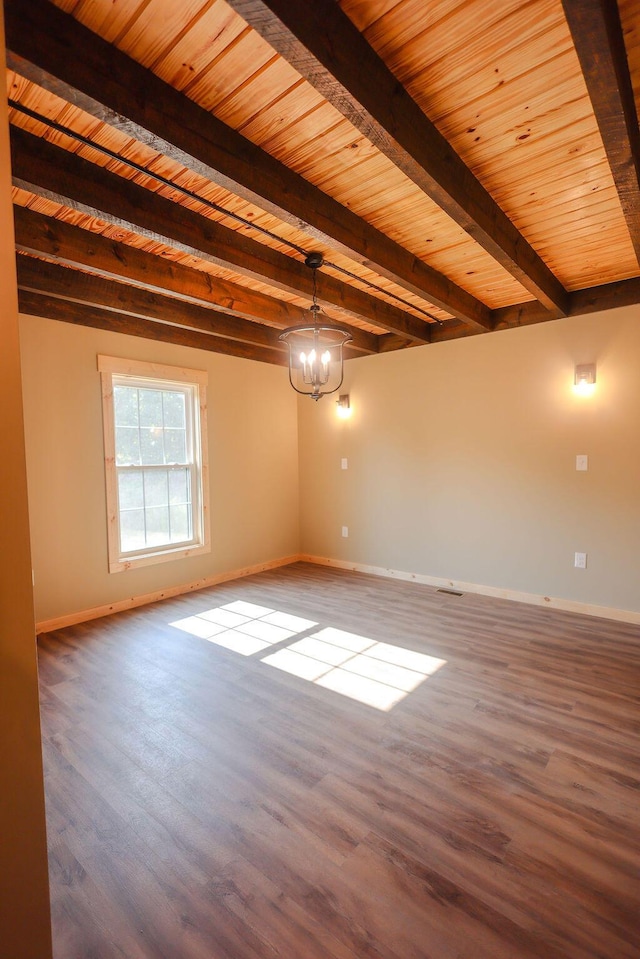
column 83, row 616
column 568, row 605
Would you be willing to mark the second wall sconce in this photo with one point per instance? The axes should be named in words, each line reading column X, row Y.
column 344, row 406
column 585, row 379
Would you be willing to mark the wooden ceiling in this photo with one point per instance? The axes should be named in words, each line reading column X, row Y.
column 463, row 166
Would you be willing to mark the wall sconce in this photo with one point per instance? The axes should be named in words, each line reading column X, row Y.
column 585, row 379
column 344, row 406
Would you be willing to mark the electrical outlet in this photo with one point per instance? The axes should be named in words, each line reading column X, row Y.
column 343, row 463
column 345, row 531
column 580, row 561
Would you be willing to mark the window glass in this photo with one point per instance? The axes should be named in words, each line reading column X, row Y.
column 154, row 461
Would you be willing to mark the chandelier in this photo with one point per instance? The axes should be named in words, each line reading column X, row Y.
column 316, row 362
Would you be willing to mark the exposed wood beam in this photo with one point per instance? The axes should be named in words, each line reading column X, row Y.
column 38, row 304
column 71, row 245
column 46, row 236
column 390, row 342
column 40, row 276
column 66, row 178
column 457, row 331
column 606, row 297
column 74, row 286
column 520, row 314
column 597, row 35
column 324, row 46
column 57, row 52
column 609, row 296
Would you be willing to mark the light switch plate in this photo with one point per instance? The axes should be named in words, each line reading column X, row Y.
column 582, row 462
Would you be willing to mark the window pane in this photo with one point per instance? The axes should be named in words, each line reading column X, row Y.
column 154, row 480
column 130, row 493
column 132, row 530
column 127, row 446
column 157, row 526
column 180, row 523
column 125, row 405
column 174, row 408
column 179, row 487
column 156, row 488
column 150, row 407
column 175, row 446
column 151, row 447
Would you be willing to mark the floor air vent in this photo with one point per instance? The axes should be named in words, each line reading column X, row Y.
column 449, row 592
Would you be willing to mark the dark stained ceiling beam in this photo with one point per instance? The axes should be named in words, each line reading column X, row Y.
column 75, row 286
column 609, row 296
column 73, row 246
column 40, row 276
column 325, row 47
column 80, row 314
column 55, row 51
column 49, row 171
column 597, row 35
column 390, row 342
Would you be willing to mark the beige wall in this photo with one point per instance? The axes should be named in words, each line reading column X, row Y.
column 252, row 454
column 462, row 462
column 25, row 929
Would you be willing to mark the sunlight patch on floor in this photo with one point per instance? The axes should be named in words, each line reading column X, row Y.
column 245, row 628
column 371, row 672
column 374, row 673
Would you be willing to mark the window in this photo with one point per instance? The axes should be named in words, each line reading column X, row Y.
column 155, row 461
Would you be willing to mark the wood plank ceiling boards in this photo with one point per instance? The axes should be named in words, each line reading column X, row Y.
column 461, row 168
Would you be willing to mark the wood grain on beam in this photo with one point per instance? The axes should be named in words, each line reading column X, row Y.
column 42, row 168
column 40, row 276
column 53, row 308
column 73, row 246
column 106, row 83
column 390, row 342
column 597, row 35
column 520, row 314
column 609, row 296
column 324, row 46
column 75, row 286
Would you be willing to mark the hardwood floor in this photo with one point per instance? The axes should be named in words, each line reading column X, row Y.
column 203, row 801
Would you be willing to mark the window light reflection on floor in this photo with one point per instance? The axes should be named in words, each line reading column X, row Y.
column 244, row 627
column 374, row 673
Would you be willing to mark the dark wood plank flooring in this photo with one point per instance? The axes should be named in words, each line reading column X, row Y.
column 203, row 804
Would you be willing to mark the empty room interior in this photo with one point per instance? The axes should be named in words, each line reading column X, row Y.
column 320, row 374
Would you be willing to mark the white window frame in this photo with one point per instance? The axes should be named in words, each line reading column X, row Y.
column 150, row 375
